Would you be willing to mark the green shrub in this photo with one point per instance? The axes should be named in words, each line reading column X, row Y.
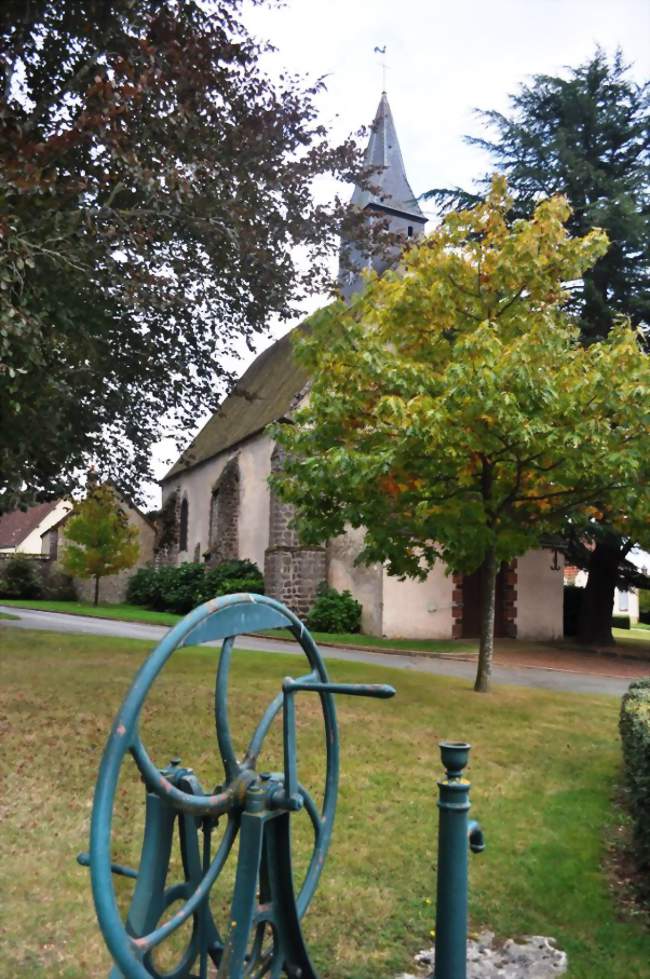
column 58, row 586
column 572, row 602
column 229, row 586
column 20, row 579
column 620, row 621
column 634, row 726
column 234, row 570
column 180, row 589
column 334, row 611
column 142, row 587
column 644, row 606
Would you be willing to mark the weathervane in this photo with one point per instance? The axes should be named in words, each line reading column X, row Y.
column 384, row 66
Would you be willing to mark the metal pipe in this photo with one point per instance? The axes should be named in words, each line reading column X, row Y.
column 455, row 831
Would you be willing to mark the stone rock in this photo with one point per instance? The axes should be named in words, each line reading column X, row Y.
column 535, row 957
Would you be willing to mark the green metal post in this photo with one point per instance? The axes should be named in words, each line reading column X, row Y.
column 453, row 835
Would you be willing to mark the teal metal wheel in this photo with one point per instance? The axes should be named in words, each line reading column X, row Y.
column 263, row 936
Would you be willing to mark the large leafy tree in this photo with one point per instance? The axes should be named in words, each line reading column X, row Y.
column 453, row 413
column 586, row 135
column 99, row 540
column 154, row 185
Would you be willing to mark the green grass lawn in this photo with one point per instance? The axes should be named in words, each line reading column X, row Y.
column 6, row 615
column 544, row 771
column 636, row 640
column 136, row 613
column 461, row 647
column 127, row 613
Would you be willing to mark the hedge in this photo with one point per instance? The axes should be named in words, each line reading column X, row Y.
column 20, row 579
column 634, row 726
column 181, row 588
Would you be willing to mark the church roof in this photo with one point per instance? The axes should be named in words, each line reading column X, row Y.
column 391, row 188
column 262, row 395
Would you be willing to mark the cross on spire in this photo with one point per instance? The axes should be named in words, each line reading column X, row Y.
column 384, row 65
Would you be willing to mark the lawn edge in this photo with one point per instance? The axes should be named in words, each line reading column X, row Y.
column 463, row 657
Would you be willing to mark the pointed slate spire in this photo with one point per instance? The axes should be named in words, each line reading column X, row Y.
column 390, row 199
column 384, row 156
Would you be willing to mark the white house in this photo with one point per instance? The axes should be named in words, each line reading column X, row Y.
column 21, row 530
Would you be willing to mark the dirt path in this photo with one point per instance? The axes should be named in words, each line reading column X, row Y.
column 513, row 653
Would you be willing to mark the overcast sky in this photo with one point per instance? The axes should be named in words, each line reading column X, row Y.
column 444, row 59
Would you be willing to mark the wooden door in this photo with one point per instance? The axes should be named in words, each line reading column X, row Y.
column 472, row 605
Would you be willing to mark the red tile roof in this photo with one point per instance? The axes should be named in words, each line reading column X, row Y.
column 17, row 525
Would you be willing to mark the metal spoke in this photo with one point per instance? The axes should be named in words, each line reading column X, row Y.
column 228, row 756
column 262, row 729
column 260, row 960
column 147, row 942
column 314, row 870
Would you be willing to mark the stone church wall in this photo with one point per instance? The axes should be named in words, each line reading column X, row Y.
column 365, row 583
column 223, row 543
column 540, row 596
column 418, row 609
column 293, row 576
column 255, row 467
column 248, row 502
column 292, row 572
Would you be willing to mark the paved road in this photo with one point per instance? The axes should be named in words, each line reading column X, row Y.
column 520, row 676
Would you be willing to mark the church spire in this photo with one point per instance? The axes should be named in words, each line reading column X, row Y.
column 389, row 197
column 391, row 189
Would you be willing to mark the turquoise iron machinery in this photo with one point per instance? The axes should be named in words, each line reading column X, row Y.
column 263, row 935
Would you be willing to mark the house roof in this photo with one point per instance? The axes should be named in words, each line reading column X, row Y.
column 262, row 395
column 390, row 186
column 59, row 523
column 19, row 524
column 122, row 498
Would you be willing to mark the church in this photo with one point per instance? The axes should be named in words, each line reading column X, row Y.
column 218, row 503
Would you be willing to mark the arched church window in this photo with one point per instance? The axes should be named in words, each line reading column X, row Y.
column 409, row 231
column 182, row 531
column 224, row 515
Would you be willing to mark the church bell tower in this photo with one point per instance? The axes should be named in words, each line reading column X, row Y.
column 389, row 198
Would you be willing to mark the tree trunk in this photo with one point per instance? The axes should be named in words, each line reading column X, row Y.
column 595, row 622
column 489, row 570
column 96, row 602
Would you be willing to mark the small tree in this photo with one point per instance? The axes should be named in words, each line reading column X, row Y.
column 453, row 412
column 99, row 538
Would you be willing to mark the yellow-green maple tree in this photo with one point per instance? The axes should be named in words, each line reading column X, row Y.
column 454, row 414
column 99, row 540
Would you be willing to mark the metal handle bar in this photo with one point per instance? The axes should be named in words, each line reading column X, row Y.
column 289, row 797
column 381, row 690
column 83, row 859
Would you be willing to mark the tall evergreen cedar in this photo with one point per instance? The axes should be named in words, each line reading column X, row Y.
column 587, row 136
column 154, row 185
